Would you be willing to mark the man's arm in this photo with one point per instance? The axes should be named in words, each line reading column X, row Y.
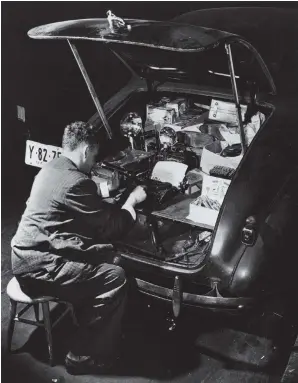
column 109, row 222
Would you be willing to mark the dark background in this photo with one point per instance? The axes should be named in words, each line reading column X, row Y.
column 43, row 77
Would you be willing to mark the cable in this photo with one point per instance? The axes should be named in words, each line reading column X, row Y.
column 188, row 253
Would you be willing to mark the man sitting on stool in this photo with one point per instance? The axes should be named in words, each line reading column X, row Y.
column 62, row 247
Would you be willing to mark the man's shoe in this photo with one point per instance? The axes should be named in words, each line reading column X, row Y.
column 84, row 365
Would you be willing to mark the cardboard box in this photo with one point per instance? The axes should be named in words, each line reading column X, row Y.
column 214, row 188
column 211, row 157
column 203, row 216
column 179, row 105
column 225, row 112
column 159, row 114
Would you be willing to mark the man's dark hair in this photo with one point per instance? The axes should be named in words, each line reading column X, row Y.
column 80, row 132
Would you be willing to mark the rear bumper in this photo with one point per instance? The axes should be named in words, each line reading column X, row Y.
column 203, row 301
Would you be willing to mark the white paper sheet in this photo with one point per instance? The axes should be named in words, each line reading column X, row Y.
column 193, row 128
column 230, row 135
column 104, row 189
column 169, row 171
column 203, row 216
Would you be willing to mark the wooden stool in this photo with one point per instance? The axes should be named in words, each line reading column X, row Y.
column 16, row 296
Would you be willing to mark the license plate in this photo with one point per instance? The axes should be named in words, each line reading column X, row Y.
column 38, row 154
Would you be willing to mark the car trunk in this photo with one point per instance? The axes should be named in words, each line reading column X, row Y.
column 185, row 246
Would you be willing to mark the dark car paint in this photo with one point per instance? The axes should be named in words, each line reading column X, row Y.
column 272, row 31
column 275, row 148
column 151, row 34
column 159, row 43
column 270, row 160
column 270, row 265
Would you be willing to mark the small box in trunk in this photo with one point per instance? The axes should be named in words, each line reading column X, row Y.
column 211, row 157
column 225, row 112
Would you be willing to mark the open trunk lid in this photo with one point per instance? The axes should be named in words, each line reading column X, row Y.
column 168, row 51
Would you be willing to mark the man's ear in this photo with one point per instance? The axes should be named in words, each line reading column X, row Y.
column 85, row 151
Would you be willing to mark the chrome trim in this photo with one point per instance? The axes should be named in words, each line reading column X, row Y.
column 194, row 299
column 159, row 265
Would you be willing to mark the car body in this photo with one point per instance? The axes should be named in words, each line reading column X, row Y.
column 247, row 258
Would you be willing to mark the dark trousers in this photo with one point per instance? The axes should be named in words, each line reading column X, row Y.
column 98, row 293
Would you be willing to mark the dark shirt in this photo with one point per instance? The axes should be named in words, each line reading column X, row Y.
column 65, row 221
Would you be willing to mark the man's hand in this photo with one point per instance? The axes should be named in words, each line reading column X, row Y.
column 138, row 195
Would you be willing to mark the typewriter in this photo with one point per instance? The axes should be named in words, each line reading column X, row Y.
column 158, row 193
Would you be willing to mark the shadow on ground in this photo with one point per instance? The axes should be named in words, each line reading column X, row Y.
column 202, row 348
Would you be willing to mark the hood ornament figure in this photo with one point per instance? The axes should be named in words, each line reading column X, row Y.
column 116, row 24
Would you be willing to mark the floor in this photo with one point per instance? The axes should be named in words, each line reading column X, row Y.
column 203, row 348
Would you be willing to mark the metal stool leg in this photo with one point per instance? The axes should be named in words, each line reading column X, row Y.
column 12, row 314
column 36, row 311
column 73, row 315
column 48, row 328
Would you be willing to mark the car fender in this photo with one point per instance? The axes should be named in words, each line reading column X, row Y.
column 264, row 267
column 246, row 279
column 263, row 171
